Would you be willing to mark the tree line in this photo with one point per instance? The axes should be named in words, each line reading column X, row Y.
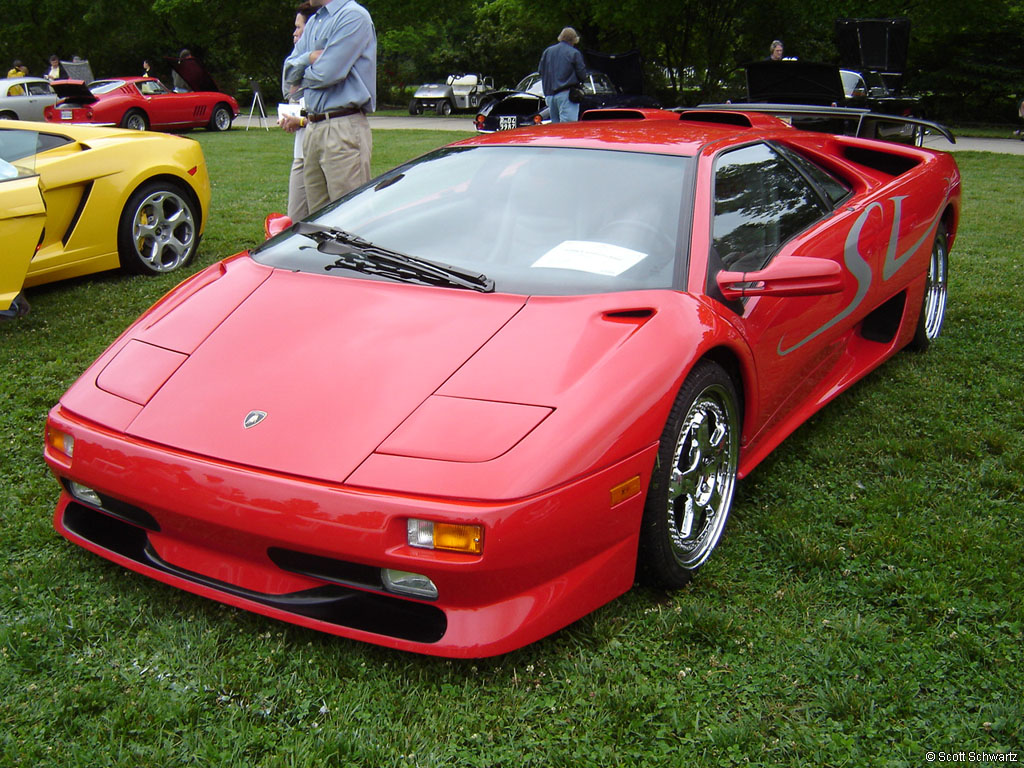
column 966, row 66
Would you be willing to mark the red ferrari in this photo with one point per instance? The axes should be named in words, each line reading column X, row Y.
column 468, row 403
column 140, row 103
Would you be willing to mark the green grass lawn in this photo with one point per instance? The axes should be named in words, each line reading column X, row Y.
column 863, row 608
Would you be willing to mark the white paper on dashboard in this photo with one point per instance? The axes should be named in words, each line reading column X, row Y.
column 587, row 256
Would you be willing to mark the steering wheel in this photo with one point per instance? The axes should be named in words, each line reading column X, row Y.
column 615, row 232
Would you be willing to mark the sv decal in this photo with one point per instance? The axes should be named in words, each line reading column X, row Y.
column 858, row 266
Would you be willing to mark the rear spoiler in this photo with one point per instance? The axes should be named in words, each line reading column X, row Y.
column 865, row 122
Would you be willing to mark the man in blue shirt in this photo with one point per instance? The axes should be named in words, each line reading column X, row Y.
column 335, row 65
column 561, row 67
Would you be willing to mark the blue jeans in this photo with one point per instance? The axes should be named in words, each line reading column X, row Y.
column 562, row 110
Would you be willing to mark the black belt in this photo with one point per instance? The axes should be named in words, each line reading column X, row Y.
column 314, row 117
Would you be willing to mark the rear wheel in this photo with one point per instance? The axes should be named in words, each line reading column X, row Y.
column 221, row 118
column 8, row 116
column 135, row 120
column 933, row 305
column 159, row 228
column 693, row 481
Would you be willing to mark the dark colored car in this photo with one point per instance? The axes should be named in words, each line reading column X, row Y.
column 873, row 57
column 613, row 80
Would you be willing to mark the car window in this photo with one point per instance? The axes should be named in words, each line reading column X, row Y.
column 18, row 150
column 528, row 82
column 151, row 87
column 761, row 201
column 537, row 220
column 834, row 190
column 853, row 83
column 40, row 89
column 98, row 87
column 598, row 83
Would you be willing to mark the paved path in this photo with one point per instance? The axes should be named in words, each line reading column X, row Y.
column 465, row 123
column 964, row 144
column 381, row 122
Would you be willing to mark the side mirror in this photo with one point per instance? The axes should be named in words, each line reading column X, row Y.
column 784, row 276
column 275, row 224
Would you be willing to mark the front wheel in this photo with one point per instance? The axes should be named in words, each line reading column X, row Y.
column 444, row 107
column 694, row 479
column 159, row 228
column 415, row 108
column 933, row 305
column 221, row 118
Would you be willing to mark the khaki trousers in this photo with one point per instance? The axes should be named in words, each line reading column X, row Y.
column 336, row 158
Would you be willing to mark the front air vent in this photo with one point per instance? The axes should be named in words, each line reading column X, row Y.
column 326, row 568
column 629, row 314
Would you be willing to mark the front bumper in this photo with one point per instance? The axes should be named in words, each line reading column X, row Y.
column 311, row 553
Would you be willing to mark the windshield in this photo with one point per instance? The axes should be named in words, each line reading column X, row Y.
column 598, row 82
column 535, row 220
column 530, row 84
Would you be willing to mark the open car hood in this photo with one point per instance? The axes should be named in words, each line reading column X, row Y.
column 335, row 364
column 624, row 69
column 74, row 90
column 78, row 70
column 794, row 82
column 191, row 70
column 874, row 45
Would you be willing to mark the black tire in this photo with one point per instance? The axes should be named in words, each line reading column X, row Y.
column 6, row 115
column 933, row 303
column 694, row 479
column 221, row 118
column 415, row 108
column 159, row 228
column 135, row 120
column 444, row 107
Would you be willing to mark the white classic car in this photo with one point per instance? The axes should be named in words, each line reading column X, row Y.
column 459, row 92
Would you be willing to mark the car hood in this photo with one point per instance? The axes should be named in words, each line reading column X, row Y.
column 878, row 45
column 624, row 69
column 794, row 82
column 336, row 365
column 195, row 75
column 74, row 90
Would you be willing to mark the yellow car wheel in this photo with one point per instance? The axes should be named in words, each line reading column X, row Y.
column 159, row 228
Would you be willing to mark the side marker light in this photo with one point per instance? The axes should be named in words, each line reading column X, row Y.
column 626, row 490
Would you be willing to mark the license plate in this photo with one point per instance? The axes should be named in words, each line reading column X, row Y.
column 66, row 114
column 506, row 122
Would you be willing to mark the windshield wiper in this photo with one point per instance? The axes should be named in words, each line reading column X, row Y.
column 361, row 255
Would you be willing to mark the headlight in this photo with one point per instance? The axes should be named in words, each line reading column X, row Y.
column 406, row 583
column 448, row 428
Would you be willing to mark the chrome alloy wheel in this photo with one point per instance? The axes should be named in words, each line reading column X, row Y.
column 935, row 288
column 703, row 476
column 163, row 231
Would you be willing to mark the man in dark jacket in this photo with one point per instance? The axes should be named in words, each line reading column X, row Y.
column 561, row 67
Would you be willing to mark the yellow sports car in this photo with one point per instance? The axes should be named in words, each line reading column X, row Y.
column 81, row 199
